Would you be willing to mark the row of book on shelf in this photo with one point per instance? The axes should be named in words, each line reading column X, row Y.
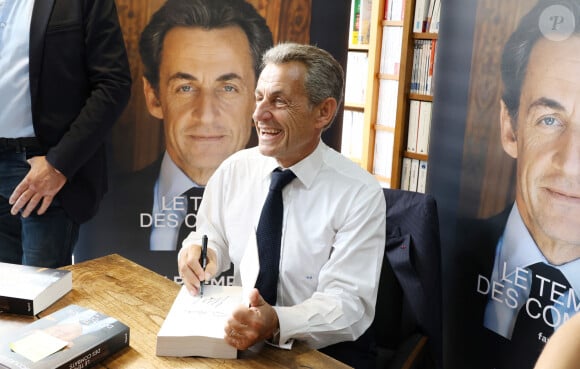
column 419, row 126
column 419, row 123
column 391, row 44
column 352, row 134
column 360, row 20
column 356, row 77
column 414, row 175
column 427, row 16
column 77, row 337
column 394, row 10
column 424, row 56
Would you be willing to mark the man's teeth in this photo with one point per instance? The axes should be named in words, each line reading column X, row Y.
column 270, row 131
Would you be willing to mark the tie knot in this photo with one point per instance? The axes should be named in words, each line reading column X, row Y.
column 191, row 196
column 549, row 272
column 280, row 178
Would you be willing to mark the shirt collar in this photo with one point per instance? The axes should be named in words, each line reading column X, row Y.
column 306, row 169
column 172, row 182
column 518, row 249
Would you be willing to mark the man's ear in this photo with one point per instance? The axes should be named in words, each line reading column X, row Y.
column 508, row 133
column 151, row 99
column 325, row 112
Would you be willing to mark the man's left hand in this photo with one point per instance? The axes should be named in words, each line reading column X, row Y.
column 41, row 183
column 248, row 326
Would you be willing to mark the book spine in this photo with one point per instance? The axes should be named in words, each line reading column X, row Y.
column 413, row 177
column 14, row 305
column 422, row 177
column 406, row 174
column 355, row 27
column 99, row 352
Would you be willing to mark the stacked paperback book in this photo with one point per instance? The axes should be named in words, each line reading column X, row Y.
column 28, row 290
column 195, row 325
column 71, row 338
column 74, row 337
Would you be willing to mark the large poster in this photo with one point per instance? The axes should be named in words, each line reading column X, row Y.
column 505, row 170
column 150, row 206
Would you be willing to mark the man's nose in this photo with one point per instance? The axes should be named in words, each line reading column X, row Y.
column 262, row 111
column 205, row 107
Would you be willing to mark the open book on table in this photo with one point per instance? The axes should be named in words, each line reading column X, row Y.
column 195, row 325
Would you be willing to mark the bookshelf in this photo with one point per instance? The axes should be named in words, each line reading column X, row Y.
column 392, row 92
column 415, row 95
column 357, row 72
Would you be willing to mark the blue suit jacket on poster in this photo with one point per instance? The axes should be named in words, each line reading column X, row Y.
column 472, row 256
column 79, row 83
column 116, row 228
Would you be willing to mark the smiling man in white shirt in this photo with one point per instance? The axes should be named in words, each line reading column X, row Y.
column 333, row 230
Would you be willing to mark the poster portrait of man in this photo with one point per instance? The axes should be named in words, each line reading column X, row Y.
column 196, row 64
column 514, row 246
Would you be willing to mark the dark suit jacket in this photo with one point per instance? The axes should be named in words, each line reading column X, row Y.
column 116, row 227
column 473, row 255
column 80, row 83
column 413, row 256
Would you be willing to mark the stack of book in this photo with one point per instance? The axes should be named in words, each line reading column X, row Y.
column 360, row 20
column 71, row 338
column 424, row 57
column 74, row 337
column 28, row 290
column 195, row 325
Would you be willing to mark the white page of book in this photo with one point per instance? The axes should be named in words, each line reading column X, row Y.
column 202, row 316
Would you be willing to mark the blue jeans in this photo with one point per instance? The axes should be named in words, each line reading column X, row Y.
column 41, row 240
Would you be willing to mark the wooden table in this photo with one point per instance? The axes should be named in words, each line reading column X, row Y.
column 141, row 299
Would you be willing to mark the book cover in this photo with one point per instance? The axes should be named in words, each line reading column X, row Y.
column 434, row 25
column 413, row 126
column 431, row 67
column 424, row 129
column 420, row 16
column 73, row 338
column 364, row 33
column 355, row 22
column 406, row 174
column 27, row 290
column 194, row 325
column 414, row 175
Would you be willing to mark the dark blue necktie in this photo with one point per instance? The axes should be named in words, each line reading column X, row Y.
column 269, row 234
column 187, row 227
column 526, row 344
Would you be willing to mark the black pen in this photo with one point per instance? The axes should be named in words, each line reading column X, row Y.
column 203, row 261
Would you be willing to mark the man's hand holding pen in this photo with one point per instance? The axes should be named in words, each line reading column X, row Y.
column 191, row 268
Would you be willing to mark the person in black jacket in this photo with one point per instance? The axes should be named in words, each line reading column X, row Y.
column 65, row 81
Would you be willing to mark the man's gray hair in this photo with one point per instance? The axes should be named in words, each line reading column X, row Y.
column 324, row 75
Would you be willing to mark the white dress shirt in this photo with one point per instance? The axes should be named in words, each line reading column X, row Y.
column 332, row 243
column 515, row 251
column 169, row 205
column 16, row 111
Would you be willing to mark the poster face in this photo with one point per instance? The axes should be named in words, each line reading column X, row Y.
column 152, row 160
column 506, row 175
